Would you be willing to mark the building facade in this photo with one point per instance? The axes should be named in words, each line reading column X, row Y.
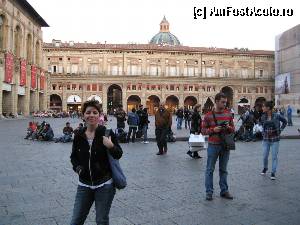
column 163, row 70
column 23, row 86
column 287, row 69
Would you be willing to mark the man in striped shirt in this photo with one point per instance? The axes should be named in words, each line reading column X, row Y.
column 215, row 123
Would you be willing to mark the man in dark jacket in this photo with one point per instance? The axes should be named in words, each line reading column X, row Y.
column 121, row 117
column 163, row 122
column 133, row 122
column 179, row 118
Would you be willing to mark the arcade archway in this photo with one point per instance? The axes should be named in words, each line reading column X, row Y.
column 190, row 102
column 74, row 103
column 208, row 105
column 133, row 102
column 172, row 103
column 55, row 103
column 152, row 103
column 229, row 94
column 114, row 98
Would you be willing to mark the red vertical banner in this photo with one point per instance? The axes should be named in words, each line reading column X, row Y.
column 23, row 73
column 33, row 76
column 42, row 80
column 9, row 67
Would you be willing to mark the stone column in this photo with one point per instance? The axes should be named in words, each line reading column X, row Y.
column 104, row 98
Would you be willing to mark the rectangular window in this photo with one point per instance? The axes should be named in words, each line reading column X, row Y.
column 80, row 87
column 94, row 87
column 133, row 87
column 171, row 87
column 114, row 70
column 94, row 69
column 88, row 87
column 190, row 88
column 60, row 69
column 100, row 87
column 210, row 72
column 244, row 73
column 73, row 87
column 68, row 87
column 74, row 69
column 68, row 70
column 53, row 86
column 54, row 69
column 261, row 73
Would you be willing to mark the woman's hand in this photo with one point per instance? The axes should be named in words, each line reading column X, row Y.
column 107, row 142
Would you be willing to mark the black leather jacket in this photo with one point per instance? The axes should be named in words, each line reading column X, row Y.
column 91, row 163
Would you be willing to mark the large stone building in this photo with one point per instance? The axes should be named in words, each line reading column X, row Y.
column 163, row 70
column 287, row 69
column 23, row 86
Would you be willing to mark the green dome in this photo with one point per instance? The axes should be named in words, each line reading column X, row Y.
column 165, row 38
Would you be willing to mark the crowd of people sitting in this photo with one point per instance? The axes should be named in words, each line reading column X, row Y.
column 55, row 114
column 44, row 132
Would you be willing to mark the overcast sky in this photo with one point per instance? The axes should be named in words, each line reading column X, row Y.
column 124, row 21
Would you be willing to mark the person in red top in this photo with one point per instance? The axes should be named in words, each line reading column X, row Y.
column 215, row 123
column 31, row 128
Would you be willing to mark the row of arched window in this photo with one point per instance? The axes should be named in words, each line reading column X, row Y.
column 32, row 51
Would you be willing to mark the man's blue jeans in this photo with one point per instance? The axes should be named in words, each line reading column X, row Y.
column 179, row 123
column 274, row 146
column 290, row 122
column 84, row 199
column 213, row 153
column 145, row 129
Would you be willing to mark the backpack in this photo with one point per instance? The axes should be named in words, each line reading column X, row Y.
column 132, row 119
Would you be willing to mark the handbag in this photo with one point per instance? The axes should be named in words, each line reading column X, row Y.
column 118, row 176
column 227, row 139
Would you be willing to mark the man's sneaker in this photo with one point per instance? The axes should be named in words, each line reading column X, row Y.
column 190, row 153
column 273, row 176
column 226, row 195
column 264, row 171
column 209, row 197
column 146, row 142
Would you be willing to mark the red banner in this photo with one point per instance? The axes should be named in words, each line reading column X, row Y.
column 42, row 80
column 23, row 73
column 33, row 76
column 9, row 67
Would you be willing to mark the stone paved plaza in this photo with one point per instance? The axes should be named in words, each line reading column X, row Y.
column 37, row 184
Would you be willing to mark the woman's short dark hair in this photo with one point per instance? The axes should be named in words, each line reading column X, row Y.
column 91, row 103
column 219, row 96
column 269, row 104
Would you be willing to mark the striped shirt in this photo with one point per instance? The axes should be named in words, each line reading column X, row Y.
column 208, row 125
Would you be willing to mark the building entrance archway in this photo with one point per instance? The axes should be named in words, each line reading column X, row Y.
column 55, row 102
column 172, row 103
column 190, row 102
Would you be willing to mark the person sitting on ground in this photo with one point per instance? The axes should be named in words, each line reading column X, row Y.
column 67, row 134
column 30, row 130
column 47, row 133
column 78, row 129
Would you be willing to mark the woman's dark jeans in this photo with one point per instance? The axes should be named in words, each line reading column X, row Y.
column 85, row 197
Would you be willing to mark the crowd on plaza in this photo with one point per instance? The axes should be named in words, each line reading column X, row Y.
column 96, row 147
column 55, row 114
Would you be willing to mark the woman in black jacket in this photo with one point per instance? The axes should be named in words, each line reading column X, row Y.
column 90, row 161
column 195, row 128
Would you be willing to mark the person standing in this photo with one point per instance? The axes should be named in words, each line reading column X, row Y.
column 139, row 112
column 133, row 122
column 144, row 124
column 187, row 118
column 90, row 161
column 289, row 115
column 271, row 136
column 216, row 123
column 121, row 117
column 163, row 122
column 179, row 118
column 196, row 121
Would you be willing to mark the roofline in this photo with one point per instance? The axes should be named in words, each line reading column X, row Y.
column 28, row 8
column 155, row 48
